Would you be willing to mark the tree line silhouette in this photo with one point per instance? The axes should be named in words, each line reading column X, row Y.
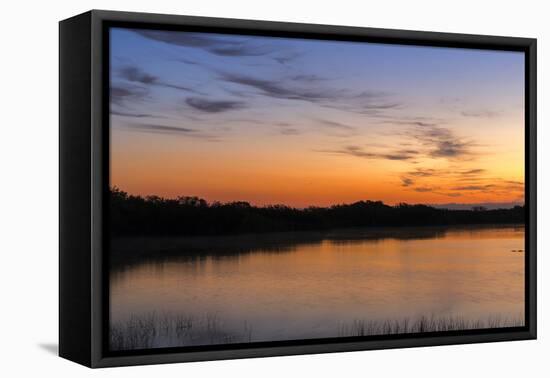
column 153, row 215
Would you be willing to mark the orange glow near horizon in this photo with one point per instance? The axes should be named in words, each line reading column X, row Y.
column 275, row 171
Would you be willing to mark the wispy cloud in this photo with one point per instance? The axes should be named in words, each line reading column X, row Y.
column 451, row 194
column 188, row 61
column 364, row 102
column 277, row 89
column 172, row 130
column 405, row 181
column 423, row 172
column 471, row 172
column 308, row 78
column 134, row 115
column 411, row 122
column 121, row 94
column 442, row 142
column 437, row 140
column 370, row 107
column 474, row 187
column 455, row 182
column 451, row 149
column 361, row 153
column 162, row 128
column 514, row 183
column 240, row 50
column 479, row 113
column 435, row 190
column 334, row 124
column 286, row 57
column 449, row 172
column 213, row 44
column 136, row 75
column 424, row 189
column 286, row 128
column 289, row 131
column 214, row 106
column 494, row 184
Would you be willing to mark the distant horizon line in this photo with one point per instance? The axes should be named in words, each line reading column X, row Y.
column 449, row 205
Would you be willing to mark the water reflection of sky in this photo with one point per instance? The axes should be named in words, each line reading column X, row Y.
column 312, row 287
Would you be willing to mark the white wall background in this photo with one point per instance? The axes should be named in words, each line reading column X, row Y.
column 29, row 174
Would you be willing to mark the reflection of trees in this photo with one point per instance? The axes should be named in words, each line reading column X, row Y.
column 129, row 251
column 153, row 215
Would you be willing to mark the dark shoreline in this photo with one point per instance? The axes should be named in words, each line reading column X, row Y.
column 192, row 216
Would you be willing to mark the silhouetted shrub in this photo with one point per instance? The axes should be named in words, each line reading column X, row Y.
column 153, row 215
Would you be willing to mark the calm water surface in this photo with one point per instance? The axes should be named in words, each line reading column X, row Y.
column 294, row 286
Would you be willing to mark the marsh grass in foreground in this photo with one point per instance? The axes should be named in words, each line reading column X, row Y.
column 169, row 330
column 424, row 324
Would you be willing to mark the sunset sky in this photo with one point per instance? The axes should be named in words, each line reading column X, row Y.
column 308, row 122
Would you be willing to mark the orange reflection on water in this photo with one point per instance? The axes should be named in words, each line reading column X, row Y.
column 307, row 289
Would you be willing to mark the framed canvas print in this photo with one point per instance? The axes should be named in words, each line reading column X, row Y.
column 234, row 188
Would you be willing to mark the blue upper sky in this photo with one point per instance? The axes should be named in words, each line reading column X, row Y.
column 219, row 68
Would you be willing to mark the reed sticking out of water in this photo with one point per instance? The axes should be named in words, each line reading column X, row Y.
column 169, row 330
column 424, row 324
column 166, row 330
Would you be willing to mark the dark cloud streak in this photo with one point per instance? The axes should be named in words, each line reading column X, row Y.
column 214, row 45
column 136, row 75
column 405, row 181
column 479, row 113
column 289, row 131
column 120, row 94
column 172, row 130
column 442, row 142
column 343, row 99
column 359, row 152
column 335, row 125
column 134, row 115
column 214, row 106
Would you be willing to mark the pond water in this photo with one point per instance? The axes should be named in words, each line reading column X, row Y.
column 200, row 291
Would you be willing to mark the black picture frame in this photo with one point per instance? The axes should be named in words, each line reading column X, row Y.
column 83, row 181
